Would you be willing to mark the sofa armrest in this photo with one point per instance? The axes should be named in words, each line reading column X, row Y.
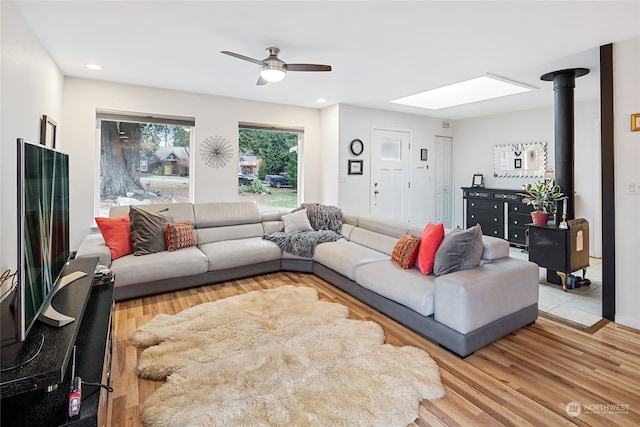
column 494, row 248
column 93, row 246
column 469, row 299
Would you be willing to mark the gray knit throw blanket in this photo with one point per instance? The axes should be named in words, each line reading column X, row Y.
column 326, row 222
column 301, row 243
column 323, row 217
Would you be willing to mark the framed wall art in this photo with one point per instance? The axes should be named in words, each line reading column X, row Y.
column 355, row 167
column 635, row 122
column 48, row 129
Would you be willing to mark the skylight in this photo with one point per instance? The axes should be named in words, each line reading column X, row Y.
column 477, row 89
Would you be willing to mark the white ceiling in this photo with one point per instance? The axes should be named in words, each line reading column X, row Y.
column 379, row 50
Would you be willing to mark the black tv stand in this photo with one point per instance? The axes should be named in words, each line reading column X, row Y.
column 92, row 338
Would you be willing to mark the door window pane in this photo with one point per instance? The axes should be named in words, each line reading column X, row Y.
column 391, row 149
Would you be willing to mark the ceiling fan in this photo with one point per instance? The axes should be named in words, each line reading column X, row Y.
column 273, row 69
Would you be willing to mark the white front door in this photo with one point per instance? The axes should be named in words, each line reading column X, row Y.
column 390, row 174
column 443, row 172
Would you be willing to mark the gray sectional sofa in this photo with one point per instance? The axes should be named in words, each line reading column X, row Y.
column 462, row 311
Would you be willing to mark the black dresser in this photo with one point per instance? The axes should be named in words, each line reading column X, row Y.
column 499, row 212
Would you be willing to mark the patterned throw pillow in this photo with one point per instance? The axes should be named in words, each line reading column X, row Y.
column 406, row 251
column 180, row 235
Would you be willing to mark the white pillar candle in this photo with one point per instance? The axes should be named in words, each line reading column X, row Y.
column 564, row 207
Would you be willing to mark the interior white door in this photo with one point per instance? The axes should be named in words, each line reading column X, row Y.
column 444, row 177
column 390, row 173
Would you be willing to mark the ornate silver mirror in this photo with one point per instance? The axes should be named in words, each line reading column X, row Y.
column 520, row 160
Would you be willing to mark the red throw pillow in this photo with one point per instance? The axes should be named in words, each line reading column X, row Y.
column 430, row 240
column 180, row 235
column 117, row 235
column 405, row 251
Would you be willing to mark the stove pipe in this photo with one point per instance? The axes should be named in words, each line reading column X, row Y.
column 563, row 84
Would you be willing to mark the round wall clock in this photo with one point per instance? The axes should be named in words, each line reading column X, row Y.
column 356, row 147
column 216, row 151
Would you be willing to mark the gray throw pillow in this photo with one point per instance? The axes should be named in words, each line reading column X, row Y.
column 148, row 230
column 297, row 221
column 459, row 250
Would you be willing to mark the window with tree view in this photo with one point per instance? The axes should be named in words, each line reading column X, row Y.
column 143, row 163
column 268, row 167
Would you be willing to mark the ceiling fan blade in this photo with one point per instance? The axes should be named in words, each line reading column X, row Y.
column 308, row 67
column 261, row 81
column 244, row 58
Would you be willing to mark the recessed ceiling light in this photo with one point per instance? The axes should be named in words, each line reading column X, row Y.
column 321, row 100
column 478, row 89
column 93, row 67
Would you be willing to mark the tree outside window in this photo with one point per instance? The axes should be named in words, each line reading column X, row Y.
column 268, row 167
column 143, row 163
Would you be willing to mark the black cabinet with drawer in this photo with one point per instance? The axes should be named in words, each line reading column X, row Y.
column 489, row 214
column 499, row 212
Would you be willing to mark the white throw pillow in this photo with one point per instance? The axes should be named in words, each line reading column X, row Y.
column 297, row 221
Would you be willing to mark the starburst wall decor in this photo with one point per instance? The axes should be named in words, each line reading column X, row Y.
column 216, row 151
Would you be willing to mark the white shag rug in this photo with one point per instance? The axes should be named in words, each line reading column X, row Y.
column 279, row 357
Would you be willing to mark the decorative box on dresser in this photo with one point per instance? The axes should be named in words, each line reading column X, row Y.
column 499, row 212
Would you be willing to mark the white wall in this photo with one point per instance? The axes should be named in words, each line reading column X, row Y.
column 330, row 124
column 626, row 56
column 213, row 115
column 355, row 191
column 474, row 140
column 31, row 86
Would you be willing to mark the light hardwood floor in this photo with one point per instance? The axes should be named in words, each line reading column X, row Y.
column 526, row 378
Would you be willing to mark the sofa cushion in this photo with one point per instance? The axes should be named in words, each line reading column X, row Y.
column 345, row 257
column 469, row 299
column 430, row 241
column 240, row 252
column 269, row 227
column 296, row 221
column 179, row 212
column 407, row 287
column 148, row 230
column 494, row 248
column 117, row 235
column 217, row 214
column 373, row 240
column 180, row 235
column 459, row 250
column 229, row 232
column 383, row 226
column 131, row 269
column 405, row 252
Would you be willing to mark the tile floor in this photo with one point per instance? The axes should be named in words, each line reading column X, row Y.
column 582, row 305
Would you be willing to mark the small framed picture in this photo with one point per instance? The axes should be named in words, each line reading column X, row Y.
column 478, row 181
column 48, row 132
column 423, row 154
column 517, row 163
column 635, row 122
column 355, row 167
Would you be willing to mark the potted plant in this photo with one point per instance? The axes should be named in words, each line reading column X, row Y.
column 543, row 196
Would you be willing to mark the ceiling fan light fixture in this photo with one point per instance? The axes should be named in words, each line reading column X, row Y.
column 272, row 74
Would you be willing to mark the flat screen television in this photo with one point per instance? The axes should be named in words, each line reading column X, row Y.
column 43, row 234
